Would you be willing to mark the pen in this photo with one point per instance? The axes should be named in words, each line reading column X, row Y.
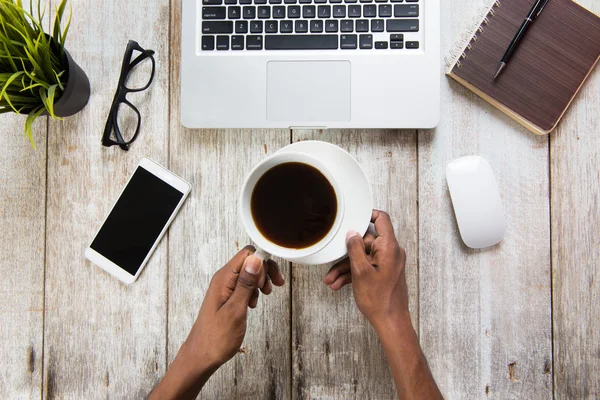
column 535, row 11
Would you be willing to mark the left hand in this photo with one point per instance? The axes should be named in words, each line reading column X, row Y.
column 220, row 327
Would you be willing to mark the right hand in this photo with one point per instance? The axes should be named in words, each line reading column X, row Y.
column 375, row 267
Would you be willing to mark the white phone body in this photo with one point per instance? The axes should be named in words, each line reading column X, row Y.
column 162, row 176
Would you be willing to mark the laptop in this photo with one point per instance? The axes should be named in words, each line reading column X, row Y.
column 311, row 64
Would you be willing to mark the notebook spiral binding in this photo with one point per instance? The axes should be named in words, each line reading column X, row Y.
column 460, row 50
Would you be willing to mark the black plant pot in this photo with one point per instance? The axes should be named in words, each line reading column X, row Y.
column 76, row 93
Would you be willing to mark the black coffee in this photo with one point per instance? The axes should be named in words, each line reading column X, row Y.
column 293, row 205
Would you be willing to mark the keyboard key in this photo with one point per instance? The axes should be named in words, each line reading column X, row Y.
column 260, row 1
column 396, row 45
column 339, row 11
column 234, row 12
column 324, row 11
column 412, row 45
column 241, row 26
column 208, row 42
column 385, row 10
column 354, row 11
column 256, row 27
column 335, row 1
column 245, row 1
column 350, row 1
column 249, row 12
column 254, row 42
column 264, row 12
column 305, row 1
column 309, row 11
column 290, row 1
column 271, row 26
column 213, row 12
column 234, row 2
column 301, row 42
column 222, row 42
column 381, row 45
column 370, row 10
column 362, row 25
column 331, row 25
column 347, row 25
column 406, row 10
column 212, row 2
column 275, row 1
column 237, row 42
column 366, row 1
column 320, row 1
column 412, row 1
column 397, row 37
column 217, row 26
column 376, row 25
column 279, row 12
column 286, row 27
column 402, row 25
column 301, row 26
column 366, row 41
column 348, row 42
column 294, row 12
column 316, row 26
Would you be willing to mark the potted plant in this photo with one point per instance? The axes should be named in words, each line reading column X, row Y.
column 37, row 74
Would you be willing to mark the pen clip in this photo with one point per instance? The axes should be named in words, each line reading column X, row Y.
column 541, row 9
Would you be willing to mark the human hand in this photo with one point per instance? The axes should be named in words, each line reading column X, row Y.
column 220, row 327
column 375, row 267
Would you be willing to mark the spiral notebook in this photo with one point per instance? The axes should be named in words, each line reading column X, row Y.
column 549, row 67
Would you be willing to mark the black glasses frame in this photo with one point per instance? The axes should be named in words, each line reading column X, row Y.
column 120, row 96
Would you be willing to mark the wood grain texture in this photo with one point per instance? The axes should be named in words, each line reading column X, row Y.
column 336, row 353
column 208, row 233
column 102, row 338
column 485, row 315
column 22, row 242
column 575, row 163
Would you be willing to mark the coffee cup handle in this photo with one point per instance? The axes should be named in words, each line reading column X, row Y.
column 263, row 255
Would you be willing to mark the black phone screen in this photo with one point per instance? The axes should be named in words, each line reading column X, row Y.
column 136, row 220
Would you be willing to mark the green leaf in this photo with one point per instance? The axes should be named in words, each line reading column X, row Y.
column 8, row 82
column 48, row 99
column 60, row 85
column 29, row 123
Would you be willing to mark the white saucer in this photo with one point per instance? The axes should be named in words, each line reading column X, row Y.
column 356, row 191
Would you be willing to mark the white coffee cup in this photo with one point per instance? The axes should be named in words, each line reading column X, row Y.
column 265, row 247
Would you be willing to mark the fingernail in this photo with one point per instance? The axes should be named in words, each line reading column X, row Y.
column 351, row 233
column 252, row 265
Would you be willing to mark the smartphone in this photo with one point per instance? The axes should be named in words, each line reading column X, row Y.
column 137, row 221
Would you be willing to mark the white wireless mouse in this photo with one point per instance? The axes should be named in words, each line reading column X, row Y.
column 476, row 201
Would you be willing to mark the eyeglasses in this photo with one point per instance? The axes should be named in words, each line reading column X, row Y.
column 124, row 137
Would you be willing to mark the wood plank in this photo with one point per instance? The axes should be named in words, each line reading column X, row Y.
column 485, row 315
column 102, row 338
column 336, row 353
column 22, row 243
column 208, row 233
column 575, row 189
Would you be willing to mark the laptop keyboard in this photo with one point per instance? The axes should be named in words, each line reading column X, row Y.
column 230, row 25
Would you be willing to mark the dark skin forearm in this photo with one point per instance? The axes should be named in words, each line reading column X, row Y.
column 409, row 367
column 185, row 378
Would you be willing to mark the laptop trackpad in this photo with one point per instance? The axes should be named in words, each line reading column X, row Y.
column 308, row 91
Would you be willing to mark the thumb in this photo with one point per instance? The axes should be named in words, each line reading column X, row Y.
column 247, row 281
column 359, row 265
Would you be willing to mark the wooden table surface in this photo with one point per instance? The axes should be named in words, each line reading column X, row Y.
column 520, row 320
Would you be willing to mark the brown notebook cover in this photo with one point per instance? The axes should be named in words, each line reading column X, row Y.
column 546, row 71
